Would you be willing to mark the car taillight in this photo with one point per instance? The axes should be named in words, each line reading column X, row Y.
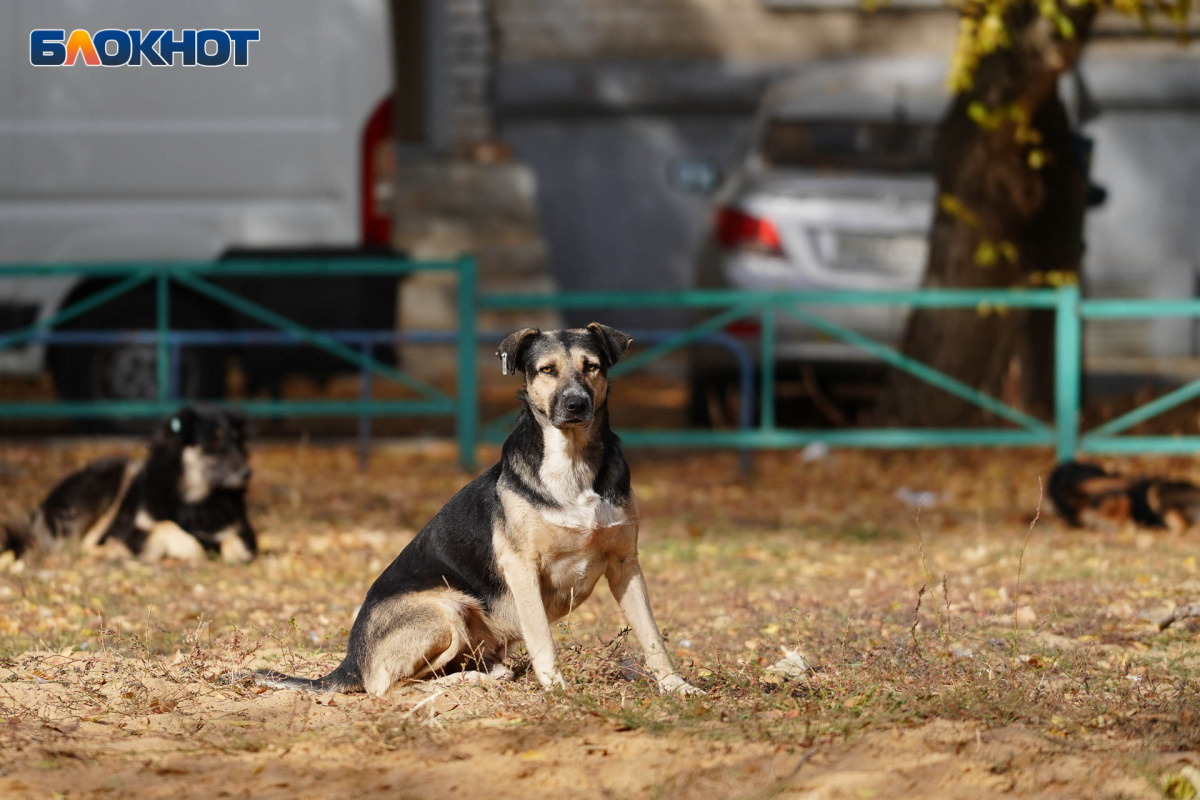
column 744, row 327
column 378, row 175
column 737, row 229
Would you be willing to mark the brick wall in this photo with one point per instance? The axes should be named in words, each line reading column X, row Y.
column 470, row 50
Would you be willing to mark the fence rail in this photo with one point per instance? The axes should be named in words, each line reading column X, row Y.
column 198, row 277
column 1105, row 438
column 724, row 308
column 731, row 306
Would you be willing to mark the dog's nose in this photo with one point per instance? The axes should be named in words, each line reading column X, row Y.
column 575, row 403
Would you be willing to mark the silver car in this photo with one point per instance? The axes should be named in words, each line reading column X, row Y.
column 835, row 191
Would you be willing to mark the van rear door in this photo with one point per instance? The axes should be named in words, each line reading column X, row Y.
column 242, row 147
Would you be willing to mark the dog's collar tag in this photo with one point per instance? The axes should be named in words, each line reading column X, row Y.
column 175, row 426
column 504, row 363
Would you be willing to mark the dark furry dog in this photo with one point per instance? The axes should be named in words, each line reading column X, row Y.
column 519, row 546
column 187, row 498
column 1085, row 494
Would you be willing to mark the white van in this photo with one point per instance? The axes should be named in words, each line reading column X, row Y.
column 183, row 163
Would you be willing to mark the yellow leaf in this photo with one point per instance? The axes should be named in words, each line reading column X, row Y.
column 985, row 254
column 1037, row 159
column 1026, row 135
column 955, row 208
column 1178, row 787
column 981, row 116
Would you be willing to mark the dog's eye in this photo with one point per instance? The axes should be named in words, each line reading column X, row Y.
column 547, row 370
column 590, row 367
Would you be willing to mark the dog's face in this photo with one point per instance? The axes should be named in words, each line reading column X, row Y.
column 211, row 444
column 566, row 372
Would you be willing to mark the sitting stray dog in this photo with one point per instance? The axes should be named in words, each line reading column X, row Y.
column 518, row 547
column 1084, row 494
column 186, row 498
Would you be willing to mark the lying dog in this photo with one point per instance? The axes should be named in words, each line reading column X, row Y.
column 187, row 498
column 520, row 546
column 1084, row 494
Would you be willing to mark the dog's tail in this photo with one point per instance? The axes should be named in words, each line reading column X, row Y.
column 341, row 679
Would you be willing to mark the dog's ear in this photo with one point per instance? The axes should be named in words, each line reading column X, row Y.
column 613, row 342
column 179, row 430
column 511, row 352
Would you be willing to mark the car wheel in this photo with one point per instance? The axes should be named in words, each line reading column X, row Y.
column 713, row 399
column 130, row 372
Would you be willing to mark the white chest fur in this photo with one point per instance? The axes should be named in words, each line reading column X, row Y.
column 571, row 540
column 568, row 477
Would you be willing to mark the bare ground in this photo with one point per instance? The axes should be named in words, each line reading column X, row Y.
column 959, row 652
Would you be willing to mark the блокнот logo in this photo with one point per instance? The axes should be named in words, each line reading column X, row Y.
column 113, row 47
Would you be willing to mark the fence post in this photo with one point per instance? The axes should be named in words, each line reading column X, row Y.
column 365, row 390
column 468, row 389
column 163, row 325
column 1068, row 370
column 766, row 366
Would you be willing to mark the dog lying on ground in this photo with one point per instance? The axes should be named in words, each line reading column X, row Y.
column 520, row 546
column 1086, row 495
column 188, row 497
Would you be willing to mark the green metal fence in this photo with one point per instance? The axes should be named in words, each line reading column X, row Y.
column 722, row 308
column 730, row 306
column 198, row 277
column 1105, row 438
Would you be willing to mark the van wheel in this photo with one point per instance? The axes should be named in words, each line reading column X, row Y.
column 713, row 399
column 130, row 372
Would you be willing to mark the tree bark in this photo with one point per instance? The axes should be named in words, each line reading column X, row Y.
column 1030, row 218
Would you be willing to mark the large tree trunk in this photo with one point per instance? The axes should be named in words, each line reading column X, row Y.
column 1000, row 223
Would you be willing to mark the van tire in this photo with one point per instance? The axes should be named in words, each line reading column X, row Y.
column 98, row 372
column 713, row 399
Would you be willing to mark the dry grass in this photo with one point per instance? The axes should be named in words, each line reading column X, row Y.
column 958, row 652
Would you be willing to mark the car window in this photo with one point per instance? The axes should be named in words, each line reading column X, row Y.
column 850, row 145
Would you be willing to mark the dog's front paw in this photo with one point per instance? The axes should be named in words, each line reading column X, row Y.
column 235, row 551
column 673, row 684
column 551, row 679
column 167, row 540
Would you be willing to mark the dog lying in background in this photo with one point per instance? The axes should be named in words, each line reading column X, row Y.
column 1086, row 495
column 187, row 498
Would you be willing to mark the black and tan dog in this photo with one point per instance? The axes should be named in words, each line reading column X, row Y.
column 188, row 497
column 518, row 547
column 1086, row 495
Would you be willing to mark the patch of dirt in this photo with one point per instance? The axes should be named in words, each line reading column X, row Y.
column 957, row 651
column 505, row 760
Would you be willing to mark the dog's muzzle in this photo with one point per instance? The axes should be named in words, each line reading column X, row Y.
column 237, row 479
column 573, row 407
